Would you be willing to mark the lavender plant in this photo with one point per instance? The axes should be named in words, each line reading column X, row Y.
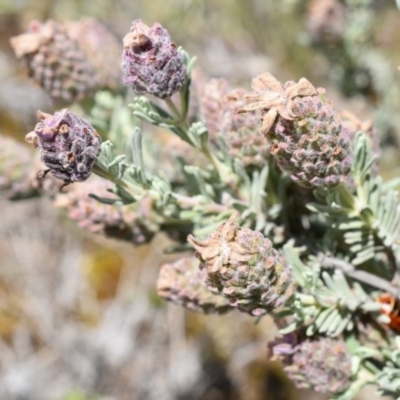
column 276, row 204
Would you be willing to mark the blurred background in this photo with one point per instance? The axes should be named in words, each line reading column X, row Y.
column 79, row 315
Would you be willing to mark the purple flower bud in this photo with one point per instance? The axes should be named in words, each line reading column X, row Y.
column 305, row 132
column 181, row 283
column 322, row 364
column 131, row 222
column 151, row 63
column 219, row 106
column 68, row 145
column 56, row 62
column 101, row 48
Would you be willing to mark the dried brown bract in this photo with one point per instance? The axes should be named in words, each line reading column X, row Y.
column 181, row 283
column 276, row 98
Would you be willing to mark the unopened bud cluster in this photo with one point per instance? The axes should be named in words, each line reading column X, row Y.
column 101, row 49
column 181, row 283
column 123, row 222
column 55, row 61
column 306, row 134
column 151, row 63
column 322, row 364
column 242, row 265
column 220, row 104
column 68, row 145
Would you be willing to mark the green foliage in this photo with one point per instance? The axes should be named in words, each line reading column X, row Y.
column 327, row 304
column 388, row 379
column 367, row 220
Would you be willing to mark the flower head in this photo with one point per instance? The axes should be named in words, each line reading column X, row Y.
column 211, row 94
column 101, row 48
column 131, row 222
column 151, row 63
column 219, row 106
column 68, row 145
column 242, row 265
column 305, row 132
column 56, row 62
column 322, row 364
column 181, row 283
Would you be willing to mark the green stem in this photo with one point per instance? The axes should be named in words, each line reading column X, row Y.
column 184, row 125
column 184, row 202
column 184, row 103
column 173, row 109
column 133, row 189
column 180, row 119
column 362, row 276
column 222, row 170
column 99, row 170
